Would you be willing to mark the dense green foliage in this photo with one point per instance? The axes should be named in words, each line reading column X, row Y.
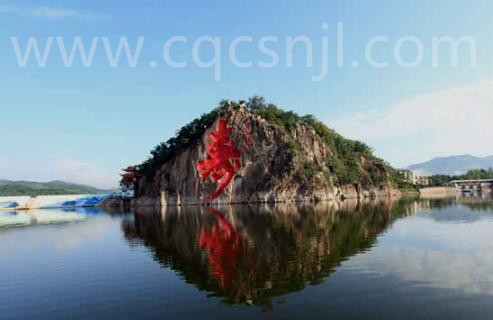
column 475, row 174
column 399, row 180
column 27, row 188
column 441, row 179
column 343, row 165
column 184, row 138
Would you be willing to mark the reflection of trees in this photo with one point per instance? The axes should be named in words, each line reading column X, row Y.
column 480, row 206
column 249, row 254
column 475, row 202
column 224, row 247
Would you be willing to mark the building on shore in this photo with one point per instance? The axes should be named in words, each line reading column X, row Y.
column 128, row 181
column 412, row 178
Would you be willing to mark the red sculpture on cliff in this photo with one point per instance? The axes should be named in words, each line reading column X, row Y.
column 222, row 160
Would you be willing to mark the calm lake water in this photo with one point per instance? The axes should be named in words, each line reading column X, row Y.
column 407, row 259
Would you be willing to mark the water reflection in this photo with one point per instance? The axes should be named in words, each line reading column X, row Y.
column 249, row 254
column 407, row 259
column 44, row 216
column 224, row 248
column 457, row 209
column 449, row 246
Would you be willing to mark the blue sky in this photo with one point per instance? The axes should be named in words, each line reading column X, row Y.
column 84, row 124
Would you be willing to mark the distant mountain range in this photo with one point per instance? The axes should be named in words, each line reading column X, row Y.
column 30, row 188
column 453, row 165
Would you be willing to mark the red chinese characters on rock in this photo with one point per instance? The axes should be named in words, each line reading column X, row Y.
column 222, row 159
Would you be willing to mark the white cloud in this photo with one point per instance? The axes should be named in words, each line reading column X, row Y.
column 53, row 13
column 453, row 121
column 57, row 168
column 45, row 12
column 82, row 172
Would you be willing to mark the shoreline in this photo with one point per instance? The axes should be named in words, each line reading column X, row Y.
column 155, row 203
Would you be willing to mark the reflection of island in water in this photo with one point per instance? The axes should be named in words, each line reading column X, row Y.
column 249, row 254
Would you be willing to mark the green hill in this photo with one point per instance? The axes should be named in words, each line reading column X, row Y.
column 288, row 157
column 30, row 188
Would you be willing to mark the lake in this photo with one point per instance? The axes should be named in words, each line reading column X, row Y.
column 405, row 259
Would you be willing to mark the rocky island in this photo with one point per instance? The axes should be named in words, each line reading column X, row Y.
column 284, row 158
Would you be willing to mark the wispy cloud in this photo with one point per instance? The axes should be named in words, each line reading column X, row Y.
column 45, row 12
column 82, row 172
column 452, row 121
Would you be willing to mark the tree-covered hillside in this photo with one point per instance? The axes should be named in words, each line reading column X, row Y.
column 29, row 188
column 351, row 161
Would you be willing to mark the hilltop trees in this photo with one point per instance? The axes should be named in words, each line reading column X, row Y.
column 344, row 166
column 475, row 174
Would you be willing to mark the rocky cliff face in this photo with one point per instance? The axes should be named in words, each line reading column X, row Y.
column 278, row 165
